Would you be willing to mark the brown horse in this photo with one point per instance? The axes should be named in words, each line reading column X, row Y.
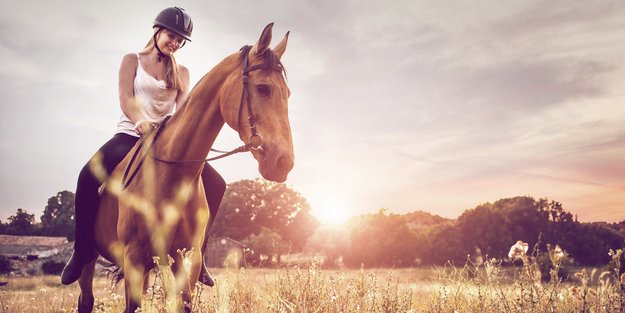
column 164, row 209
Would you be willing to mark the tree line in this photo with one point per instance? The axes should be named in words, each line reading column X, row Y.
column 486, row 231
column 57, row 220
column 273, row 220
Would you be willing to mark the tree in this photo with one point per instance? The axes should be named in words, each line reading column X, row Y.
column 442, row 243
column 493, row 228
column 21, row 223
column 331, row 242
column 267, row 246
column 58, row 217
column 381, row 240
column 249, row 205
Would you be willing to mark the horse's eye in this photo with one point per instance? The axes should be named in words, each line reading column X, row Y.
column 263, row 89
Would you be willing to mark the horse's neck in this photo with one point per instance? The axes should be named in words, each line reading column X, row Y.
column 192, row 130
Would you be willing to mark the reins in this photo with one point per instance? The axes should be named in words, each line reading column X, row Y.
column 255, row 141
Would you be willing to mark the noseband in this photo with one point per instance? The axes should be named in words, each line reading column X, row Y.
column 255, row 142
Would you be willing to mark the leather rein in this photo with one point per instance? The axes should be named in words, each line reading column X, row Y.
column 255, row 141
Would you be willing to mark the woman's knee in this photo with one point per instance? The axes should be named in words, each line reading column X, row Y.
column 212, row 180
column 86, row 176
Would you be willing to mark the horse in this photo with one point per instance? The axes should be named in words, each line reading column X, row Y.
column 162, row 211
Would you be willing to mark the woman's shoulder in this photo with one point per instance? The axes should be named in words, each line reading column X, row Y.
column 183, row 70
column 130, row 59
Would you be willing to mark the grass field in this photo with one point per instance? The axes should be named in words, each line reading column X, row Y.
column 485, row 288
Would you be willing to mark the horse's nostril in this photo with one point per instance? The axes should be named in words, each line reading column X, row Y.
column 284, row 163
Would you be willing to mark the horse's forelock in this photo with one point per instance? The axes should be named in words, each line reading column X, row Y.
column 270, row 60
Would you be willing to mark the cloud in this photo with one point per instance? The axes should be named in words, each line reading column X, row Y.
column 404, row 104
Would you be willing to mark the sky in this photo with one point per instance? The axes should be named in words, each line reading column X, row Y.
column 405, row 105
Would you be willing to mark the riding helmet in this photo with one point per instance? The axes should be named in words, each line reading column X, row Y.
column 176, row 20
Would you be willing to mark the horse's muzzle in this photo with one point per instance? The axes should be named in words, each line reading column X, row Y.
column 276, row 167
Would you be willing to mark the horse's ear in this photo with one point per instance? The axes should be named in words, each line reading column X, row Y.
column 281, row 47
column 265, row 39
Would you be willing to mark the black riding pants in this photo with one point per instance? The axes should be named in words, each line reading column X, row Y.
column 111, row 154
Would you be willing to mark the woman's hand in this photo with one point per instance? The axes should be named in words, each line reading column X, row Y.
column 142, row 127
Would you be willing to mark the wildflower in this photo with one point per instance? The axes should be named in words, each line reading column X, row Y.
column 518, row 250
column 557, row 254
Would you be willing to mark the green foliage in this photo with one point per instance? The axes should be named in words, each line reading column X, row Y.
column 331, row 242
column 554, row 264
column 267, row 247
column 589, row 243
column 58, row 217
column 441, row 244
column 381, row 240
column 250, row 205
column 5, row 265
column 21, row 224
column 52, row 267
column 493, row 228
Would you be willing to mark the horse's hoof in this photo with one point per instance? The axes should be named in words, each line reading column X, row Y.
column 73, row 269
column 206, row 278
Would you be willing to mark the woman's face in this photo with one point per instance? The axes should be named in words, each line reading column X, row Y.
column 168, row 41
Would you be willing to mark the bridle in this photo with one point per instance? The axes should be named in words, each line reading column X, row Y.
column 255, row 141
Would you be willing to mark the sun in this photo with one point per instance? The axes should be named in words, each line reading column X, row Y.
column 334, row 214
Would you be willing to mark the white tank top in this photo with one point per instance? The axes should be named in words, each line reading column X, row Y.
column 155, row 100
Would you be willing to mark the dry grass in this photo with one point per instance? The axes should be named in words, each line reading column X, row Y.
column 484, row 288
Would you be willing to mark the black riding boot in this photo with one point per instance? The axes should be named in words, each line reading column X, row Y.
column 214, row 188
column 87, row 200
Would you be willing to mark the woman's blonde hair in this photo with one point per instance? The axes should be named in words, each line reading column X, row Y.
column 172, row 75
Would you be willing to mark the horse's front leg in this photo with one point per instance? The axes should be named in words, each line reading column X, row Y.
column 85, row 300
column 186, row 278
column 134, row 281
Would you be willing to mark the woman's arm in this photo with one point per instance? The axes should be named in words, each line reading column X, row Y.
column 127, row 100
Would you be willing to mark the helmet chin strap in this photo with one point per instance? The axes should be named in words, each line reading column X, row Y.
column 160, row 53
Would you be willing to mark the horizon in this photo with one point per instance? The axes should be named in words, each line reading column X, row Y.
column 406, row 105
column 342, row 220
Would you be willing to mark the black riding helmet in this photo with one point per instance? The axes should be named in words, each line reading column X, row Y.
column 176, row 20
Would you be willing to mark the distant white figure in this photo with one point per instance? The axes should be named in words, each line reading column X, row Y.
column 517, row 251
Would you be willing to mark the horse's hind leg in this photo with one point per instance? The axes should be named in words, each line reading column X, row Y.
column 85, row 300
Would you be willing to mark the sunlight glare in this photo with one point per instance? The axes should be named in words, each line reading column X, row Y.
column 334, row 213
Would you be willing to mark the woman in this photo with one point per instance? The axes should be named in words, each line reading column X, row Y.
column 151, row 83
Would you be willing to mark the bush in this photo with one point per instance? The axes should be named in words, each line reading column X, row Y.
column 52, row 267
column 5, row 265
column 554, row 264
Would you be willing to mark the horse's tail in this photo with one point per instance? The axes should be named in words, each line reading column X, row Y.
column 113, row 272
